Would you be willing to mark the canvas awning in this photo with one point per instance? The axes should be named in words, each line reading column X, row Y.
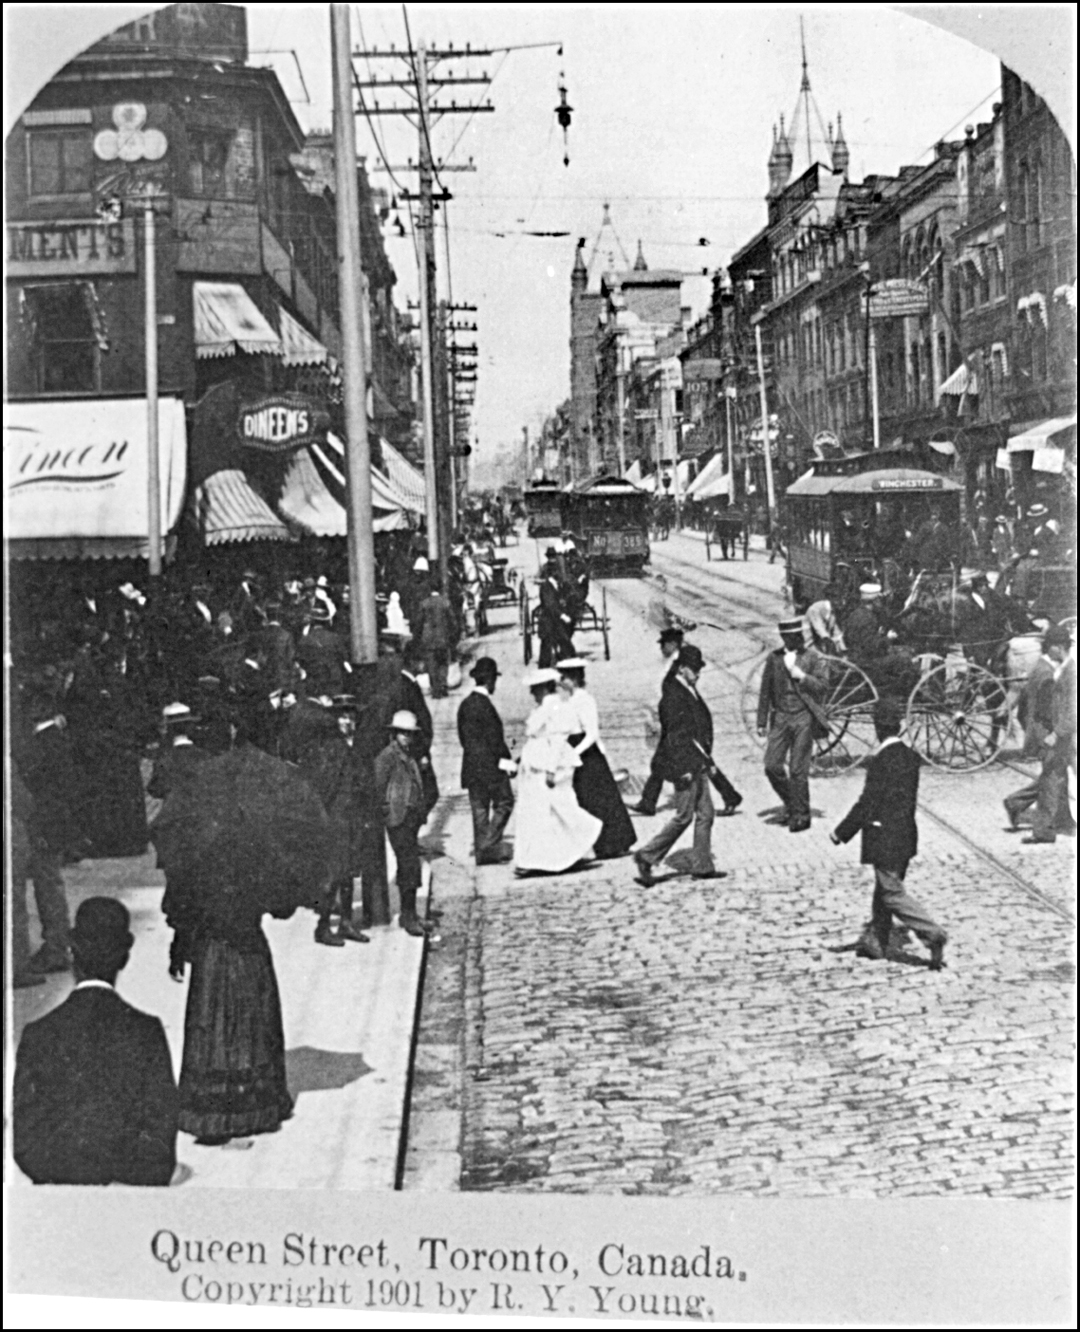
column 227, row 320
column 299, row 347
column 307, row 501
column 385, row 494
column 961, row 381
column 719, row 485
column 712, row 470
column 75, row 476
column 404, row 476
column 1042, row 436
column 228, row 509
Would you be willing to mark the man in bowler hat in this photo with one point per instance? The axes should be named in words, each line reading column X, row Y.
column 485, row 764
column 95, row 1098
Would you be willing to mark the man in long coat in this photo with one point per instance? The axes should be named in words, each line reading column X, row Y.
column 684, row 760
column 885, row 815
column 433, row 630
column 1060, row 741
column 485, row 764
column 671, row 641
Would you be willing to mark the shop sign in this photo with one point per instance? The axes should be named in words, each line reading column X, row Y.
column 908, row 483
column 79, row 248
column 281, row 422
column 893, row 298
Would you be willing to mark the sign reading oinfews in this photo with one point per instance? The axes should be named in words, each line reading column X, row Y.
column 281, row 422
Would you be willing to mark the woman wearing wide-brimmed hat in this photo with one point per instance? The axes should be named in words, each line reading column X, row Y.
column 552, row 832
column 594, row 785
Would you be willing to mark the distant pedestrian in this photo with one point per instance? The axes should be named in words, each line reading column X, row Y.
column 555, row 623
column 686, row 754
column 671, row 641
column 485, row 764
column 789, row 714
column 1035, row 713
column 400, row 794
column 433, row 630
column 1059, row 743
column 95, row 1100
column 885, row 815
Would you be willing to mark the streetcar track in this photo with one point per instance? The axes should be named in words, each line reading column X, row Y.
column 1029, row 889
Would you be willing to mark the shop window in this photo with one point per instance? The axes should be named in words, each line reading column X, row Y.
column 67, row 334
column 221, row 162
column 59, row 160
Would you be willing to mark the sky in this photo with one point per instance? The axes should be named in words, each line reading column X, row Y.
column 673, row 108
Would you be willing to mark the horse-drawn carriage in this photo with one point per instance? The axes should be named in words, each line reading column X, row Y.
column 587, row 619
column 952, row 657
column 726, row 528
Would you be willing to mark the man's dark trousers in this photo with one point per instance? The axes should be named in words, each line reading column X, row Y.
column 491, row 809
column 791, row 739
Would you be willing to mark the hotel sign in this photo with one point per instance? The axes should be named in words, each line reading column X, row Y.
column 80, row 248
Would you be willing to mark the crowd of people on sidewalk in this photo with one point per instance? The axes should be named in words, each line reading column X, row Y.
column 105, row 679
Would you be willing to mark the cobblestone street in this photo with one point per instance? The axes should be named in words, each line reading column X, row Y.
column 583, row 1034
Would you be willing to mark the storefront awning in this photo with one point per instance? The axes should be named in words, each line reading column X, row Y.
column 1042, row 436
column 404, row 476
column 299, row 347
column 75, row 474
column 961, row 381
column 228, row 509
column 385, row 494
column 711, row 472
column 227, row 320
column 307, row 501
column 719, row 485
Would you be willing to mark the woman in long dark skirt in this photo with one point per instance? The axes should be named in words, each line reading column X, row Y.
column 232, row 1075
column 594, row 785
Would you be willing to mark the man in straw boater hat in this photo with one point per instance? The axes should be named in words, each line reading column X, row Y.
column 885, row 815
column 686, row 761
column 789, row 714
column 400, row 794
column 486, row 764
column 95, row 1100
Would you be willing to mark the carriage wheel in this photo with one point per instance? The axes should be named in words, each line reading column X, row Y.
column 604, row 623
column 849, row 711
column 526, row 624
column 958, row 716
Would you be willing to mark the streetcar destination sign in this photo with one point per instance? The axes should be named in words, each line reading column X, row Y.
column 908, row 483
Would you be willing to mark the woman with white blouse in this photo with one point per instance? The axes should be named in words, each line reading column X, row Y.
column 593, row 783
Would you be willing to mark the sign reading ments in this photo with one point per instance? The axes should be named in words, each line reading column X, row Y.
column 70, row 249
column 281, row 422
column 908, row 483
column 893, row 298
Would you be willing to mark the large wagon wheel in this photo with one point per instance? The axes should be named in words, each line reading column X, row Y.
column 958, row 716
column 847, row 708
column 526, row 623
column 604, row 623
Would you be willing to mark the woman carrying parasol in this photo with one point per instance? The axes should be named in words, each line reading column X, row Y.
column 248, row 836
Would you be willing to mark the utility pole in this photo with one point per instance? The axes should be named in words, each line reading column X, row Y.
column 153, row 465
column 364, row 632
column 770, row 493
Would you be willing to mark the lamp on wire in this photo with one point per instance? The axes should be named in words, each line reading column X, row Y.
column 563, row 113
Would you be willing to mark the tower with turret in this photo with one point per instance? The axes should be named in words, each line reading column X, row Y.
column 584, row 330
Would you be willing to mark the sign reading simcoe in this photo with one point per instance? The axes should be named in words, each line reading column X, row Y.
column 282, row 421
column 70, row 249
column 908, row 483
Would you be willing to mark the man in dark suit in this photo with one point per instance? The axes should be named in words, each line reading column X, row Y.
column 95, row 1099
column 684, row 760
column 791, row 688
column 671, row 641
column 1060, row 742
column 555, row 624
column 180, row 756
column 485, row 765
column 885, row 815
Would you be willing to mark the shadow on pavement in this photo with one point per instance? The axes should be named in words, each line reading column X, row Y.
column 309, row 1069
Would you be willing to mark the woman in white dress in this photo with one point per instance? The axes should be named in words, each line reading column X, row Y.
column 552, row 831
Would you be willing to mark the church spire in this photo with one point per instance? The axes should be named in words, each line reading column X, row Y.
column 640, row 266
column 841, row 155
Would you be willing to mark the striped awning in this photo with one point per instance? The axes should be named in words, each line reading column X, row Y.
column 961, row 381
column 299, row 347
column 228, row 509
column 385, row 494
column 711, row 472
column 307, row 501
column 404, row 476
column 227, row 320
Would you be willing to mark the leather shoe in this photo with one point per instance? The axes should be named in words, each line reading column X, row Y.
column 871, row 951
column 495, row 858
column 733, row 805
column 1038, row 841
column 937, row 955
column 799, row 825
column 325, row 935
column 347, row 930
column 642, row 809
column 711, row 874
column 1013, row 817
column 644, row 872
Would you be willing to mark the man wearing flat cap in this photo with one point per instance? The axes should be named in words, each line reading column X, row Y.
column 685, row 761
column 792, row 686
column 485, row 764
column 95, row 1099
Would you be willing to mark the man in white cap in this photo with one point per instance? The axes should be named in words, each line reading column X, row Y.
column 789, row 712
column 862, row 631
column 400, row 795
